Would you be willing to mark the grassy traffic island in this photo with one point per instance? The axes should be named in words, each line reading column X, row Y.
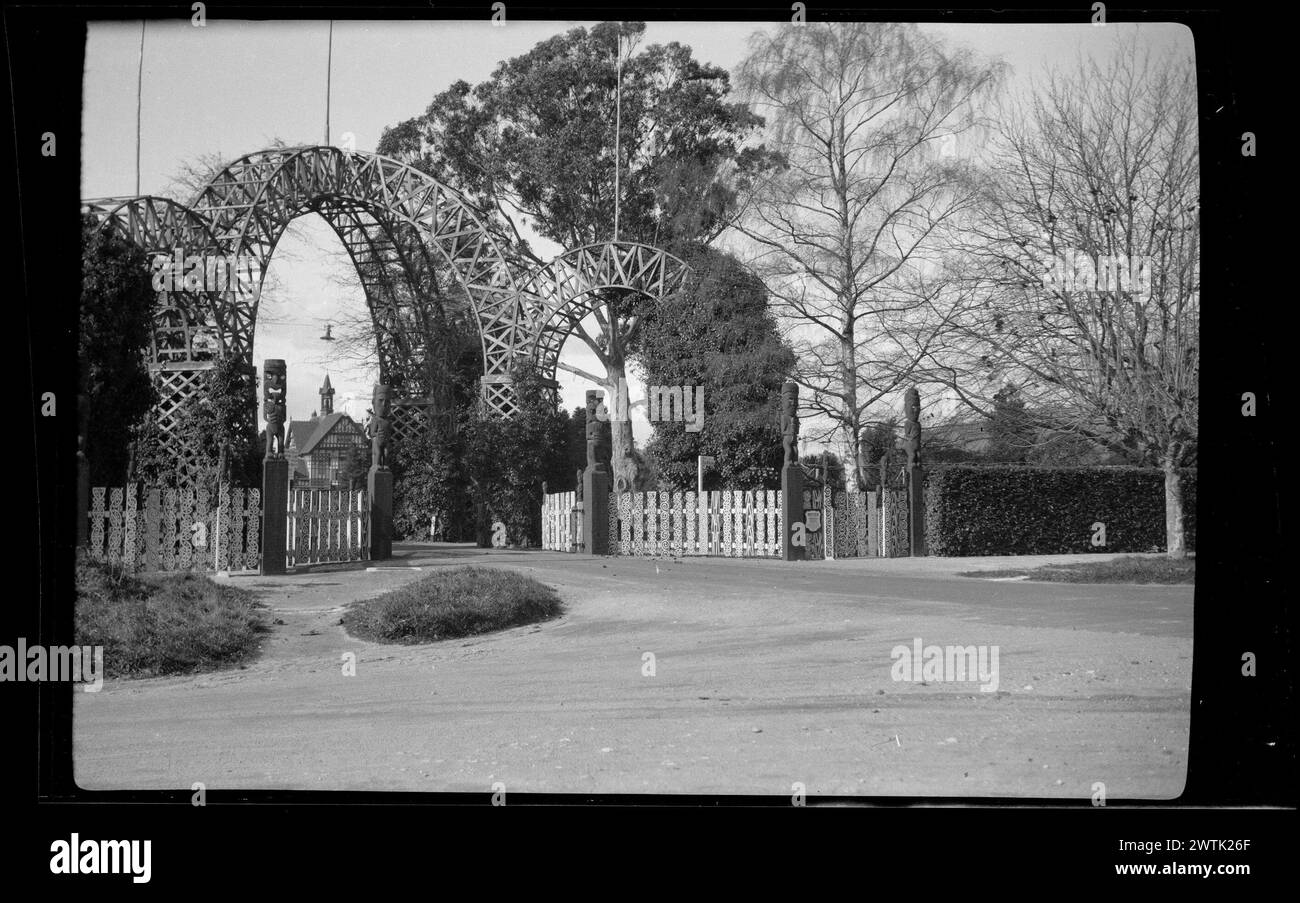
column 1126, row 569
column 451, row 603
column 164, row 624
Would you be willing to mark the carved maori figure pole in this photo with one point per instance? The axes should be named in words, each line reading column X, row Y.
column 790, row 422
column 599, row 437
column 915, row 475
column 275, row 470
column 912, row 428
column 379, row 481
column 273, row 406
column 794, row 534
column 596, row 479
column 379, row 428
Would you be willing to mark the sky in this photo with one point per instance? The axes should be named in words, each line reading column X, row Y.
column 232, row 87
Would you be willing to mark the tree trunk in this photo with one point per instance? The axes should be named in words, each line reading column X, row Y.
column 1175, row 540
column 621, row 460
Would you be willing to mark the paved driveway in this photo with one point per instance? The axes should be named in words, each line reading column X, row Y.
column 765, row 674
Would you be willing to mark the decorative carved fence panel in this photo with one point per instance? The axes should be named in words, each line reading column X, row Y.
column 152, row 529
column 239, row 523
column 327, row 525
column 815, row 539
column 848, row 525
column 561, row 522
column 894, row 542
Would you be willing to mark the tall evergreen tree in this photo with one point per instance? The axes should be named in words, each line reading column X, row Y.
column 717, row 333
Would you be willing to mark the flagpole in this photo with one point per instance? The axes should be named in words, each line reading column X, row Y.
column 618, row 125
column 139, row 88
column 329, row 68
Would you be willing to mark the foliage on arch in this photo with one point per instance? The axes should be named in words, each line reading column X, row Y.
column 113, row 335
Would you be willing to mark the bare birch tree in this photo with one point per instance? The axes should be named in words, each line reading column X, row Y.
column 1085, row 258
column 849, row 236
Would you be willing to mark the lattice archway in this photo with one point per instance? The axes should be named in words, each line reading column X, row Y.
column 252, row 201
column 391, row 218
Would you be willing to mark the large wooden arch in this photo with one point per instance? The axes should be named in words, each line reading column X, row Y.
column 392, row 219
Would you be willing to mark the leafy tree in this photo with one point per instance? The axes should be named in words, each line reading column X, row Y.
column 221, row 424
column 115, row 326
column 1011, row 430
column 717, row 333
column 536, row 142
column 506, row 461
column 429, row 477
column 354, row 468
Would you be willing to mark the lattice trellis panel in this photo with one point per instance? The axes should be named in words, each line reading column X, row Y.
column 410, row 420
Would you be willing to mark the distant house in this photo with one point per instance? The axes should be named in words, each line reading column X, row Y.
column 317, row 448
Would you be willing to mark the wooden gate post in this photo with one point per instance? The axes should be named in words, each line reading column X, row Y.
column 379, row 480
column 791, row 477
column 596, row 479
column 379, row 486
column 915, row 496
column 916, row 510
column 275, row 469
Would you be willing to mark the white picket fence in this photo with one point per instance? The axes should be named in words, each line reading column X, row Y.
column 729, row 523
column 561, row 522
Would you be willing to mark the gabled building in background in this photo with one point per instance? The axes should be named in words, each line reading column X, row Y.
column 317, row 448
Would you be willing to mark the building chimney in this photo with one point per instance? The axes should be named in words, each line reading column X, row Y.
column 326, row 397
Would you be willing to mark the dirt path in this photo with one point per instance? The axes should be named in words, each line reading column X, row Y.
column 765, row 674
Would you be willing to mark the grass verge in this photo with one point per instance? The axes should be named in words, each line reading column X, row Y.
column 451, row 603
column 164, row 624
column 1126, row 569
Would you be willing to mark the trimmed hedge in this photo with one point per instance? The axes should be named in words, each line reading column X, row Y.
column 1011, row 510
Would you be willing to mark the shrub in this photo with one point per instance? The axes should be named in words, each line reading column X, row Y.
column 1011, row 510
column 452, row 603
column 163, row 624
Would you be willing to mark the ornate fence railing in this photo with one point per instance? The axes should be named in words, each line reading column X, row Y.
column 155, row 529
column 326, row 526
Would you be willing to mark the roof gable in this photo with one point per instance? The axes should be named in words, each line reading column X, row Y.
column 324, row 426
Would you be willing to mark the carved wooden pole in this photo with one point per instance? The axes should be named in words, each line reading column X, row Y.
column 793, row 536
column 597, row 478
column 915, row 476
column 379, row 480
column 275, row 470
